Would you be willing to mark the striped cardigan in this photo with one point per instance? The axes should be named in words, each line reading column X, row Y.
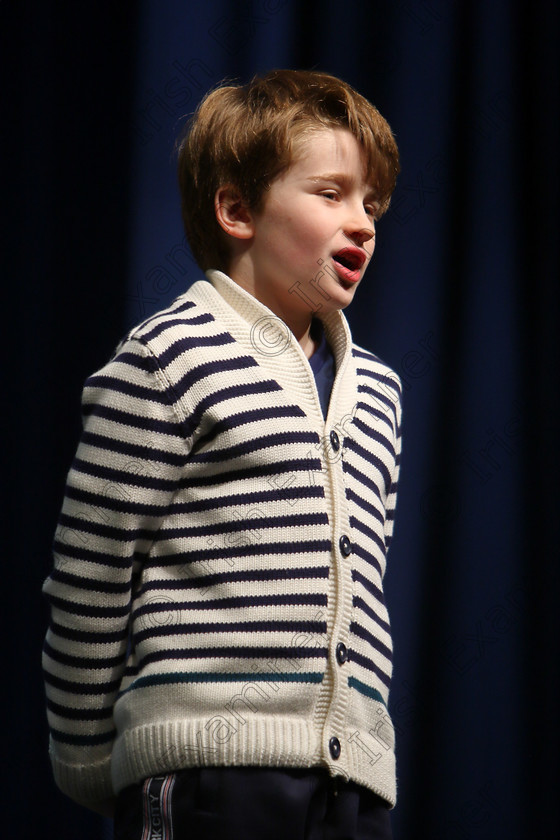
column 216, row 597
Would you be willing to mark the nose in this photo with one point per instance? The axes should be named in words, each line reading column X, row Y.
column 360, row 228
column 361, row 235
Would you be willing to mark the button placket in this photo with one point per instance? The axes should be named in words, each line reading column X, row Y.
column 339, row 654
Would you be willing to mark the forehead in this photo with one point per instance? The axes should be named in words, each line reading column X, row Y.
column 328, row 150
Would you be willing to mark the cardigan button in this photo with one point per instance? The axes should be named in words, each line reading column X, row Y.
column 335, row 441
column 334, row 748
column 345, row 545
column 341, row 653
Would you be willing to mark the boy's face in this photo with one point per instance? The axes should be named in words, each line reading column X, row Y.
column 314, row 236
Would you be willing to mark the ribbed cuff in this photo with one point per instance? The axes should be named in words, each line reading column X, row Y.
column 84, row 783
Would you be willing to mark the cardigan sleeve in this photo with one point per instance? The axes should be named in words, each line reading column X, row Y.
column 119, row 487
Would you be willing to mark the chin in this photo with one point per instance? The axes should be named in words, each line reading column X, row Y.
column 348, row 292
column 341, row 301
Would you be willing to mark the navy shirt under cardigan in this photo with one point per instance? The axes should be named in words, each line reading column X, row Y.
column 322, row 365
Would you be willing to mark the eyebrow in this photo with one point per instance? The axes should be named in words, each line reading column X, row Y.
column 331, row 176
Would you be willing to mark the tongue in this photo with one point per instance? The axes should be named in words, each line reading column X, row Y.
column 343, row 261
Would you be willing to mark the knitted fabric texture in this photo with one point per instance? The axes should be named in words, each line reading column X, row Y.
column 217, row 591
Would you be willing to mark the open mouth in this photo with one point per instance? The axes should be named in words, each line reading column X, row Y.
column 352, row 260
column 348, row 263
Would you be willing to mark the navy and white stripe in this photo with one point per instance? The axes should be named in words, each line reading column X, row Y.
column 198, row 590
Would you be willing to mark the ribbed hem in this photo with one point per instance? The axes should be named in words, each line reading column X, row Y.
column 164, row 747
column 262, row 742
column 371, row 764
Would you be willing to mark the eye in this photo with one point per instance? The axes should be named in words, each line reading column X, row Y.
column 372, row 209
column 332, row 195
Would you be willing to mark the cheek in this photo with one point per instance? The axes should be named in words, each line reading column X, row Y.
column 298, row 237
column 295, row 234
column 309, row 233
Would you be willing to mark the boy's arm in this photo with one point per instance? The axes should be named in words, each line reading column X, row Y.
column 119, row 488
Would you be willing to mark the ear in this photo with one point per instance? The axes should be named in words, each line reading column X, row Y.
column 232, row 213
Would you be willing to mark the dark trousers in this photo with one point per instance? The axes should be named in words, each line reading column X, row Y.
column 250, row 803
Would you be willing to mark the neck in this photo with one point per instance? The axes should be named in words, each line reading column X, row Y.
column 298, row 322
column 307, row 343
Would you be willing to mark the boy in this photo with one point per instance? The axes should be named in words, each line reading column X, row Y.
column 218, row 626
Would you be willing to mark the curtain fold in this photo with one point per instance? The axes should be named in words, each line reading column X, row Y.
column 461, row 299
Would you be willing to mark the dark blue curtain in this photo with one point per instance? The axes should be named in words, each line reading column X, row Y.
column 461, row 299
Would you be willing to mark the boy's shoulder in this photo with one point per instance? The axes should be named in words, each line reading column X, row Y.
column 186, row 323
column 378, row 381
column 368, row 364
column 184, row 311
